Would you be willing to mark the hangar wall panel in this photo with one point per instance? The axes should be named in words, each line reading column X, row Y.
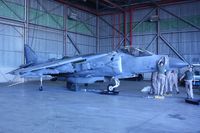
column 47, row 44
column 11, row 49
column 49, row 24
column 182, row 36
column 82, row 31
column 110, row 37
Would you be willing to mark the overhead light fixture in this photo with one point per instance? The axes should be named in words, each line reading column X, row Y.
column 72, row 15
column 154, row 18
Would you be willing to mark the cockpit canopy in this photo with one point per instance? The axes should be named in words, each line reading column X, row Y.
column 136, row 52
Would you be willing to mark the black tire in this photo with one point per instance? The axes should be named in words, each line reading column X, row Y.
column 140, row 77
column 109, row 89
column 54, row 79
column 69, row 85
column 72, row 86
column 86, row 84
column 40, row 88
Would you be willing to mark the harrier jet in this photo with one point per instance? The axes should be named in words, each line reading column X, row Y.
column 88, row 69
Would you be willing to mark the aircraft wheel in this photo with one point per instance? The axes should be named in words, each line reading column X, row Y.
column 54, row 79
column 110, row 88
column 140, row 77
column 72, row 86
column 40, row 88
column 86, row 84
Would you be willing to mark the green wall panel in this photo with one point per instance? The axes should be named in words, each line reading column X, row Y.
column 165, row 25
column 144, row 27
column 11, row 11
column 170, row 24
column 77, row 26
column 45, row 19
column 40, row 17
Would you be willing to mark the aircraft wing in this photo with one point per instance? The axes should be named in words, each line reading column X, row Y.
column 53, row 67
column 47, row 67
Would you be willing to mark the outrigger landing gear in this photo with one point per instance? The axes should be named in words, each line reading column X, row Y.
column 111, row 88
column 72, row 86
column 41, row 87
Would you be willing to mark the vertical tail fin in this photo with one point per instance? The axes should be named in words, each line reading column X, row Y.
column 30, row 55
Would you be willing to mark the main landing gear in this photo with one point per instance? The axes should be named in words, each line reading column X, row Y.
column 41, row 87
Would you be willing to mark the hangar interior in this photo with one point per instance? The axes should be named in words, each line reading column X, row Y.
column 58, row 28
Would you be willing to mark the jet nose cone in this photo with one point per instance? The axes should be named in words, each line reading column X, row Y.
column 177, row 63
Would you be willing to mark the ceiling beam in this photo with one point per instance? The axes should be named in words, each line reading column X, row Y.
column 160, row 3
column 138, row 6
column 89, row 10
column 114, row 5
column 99, row 3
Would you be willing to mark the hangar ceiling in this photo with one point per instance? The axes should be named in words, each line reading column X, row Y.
column 106, row 4
column 101, row 7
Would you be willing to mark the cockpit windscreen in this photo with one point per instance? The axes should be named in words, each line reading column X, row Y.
column 136, row 52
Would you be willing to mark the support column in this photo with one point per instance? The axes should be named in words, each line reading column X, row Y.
column 65, row 30
column 124, row 15
column 119, row 25
column 97, row 34
column 26, row 12
column 131, row 32
column 113, row 33
column 135, row 26
column 97, row 28
column 158, row 30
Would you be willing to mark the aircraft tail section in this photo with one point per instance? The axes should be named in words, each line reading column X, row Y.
column 30, row 55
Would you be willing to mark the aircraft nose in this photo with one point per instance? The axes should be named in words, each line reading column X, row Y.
column 177, row 63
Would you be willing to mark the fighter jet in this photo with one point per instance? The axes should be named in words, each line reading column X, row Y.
column 88, row 69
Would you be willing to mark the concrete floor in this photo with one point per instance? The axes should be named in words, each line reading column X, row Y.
column 23, row 109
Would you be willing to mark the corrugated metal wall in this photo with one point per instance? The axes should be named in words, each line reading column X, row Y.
column 187, row 39
column 82, row 32
column 11, row 45
column 49, row 24
column 145, row 32
column 109, row 37
column 48, row 27
column 182, row 36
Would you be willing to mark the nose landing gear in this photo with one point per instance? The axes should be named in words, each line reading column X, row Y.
column 111, row 88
